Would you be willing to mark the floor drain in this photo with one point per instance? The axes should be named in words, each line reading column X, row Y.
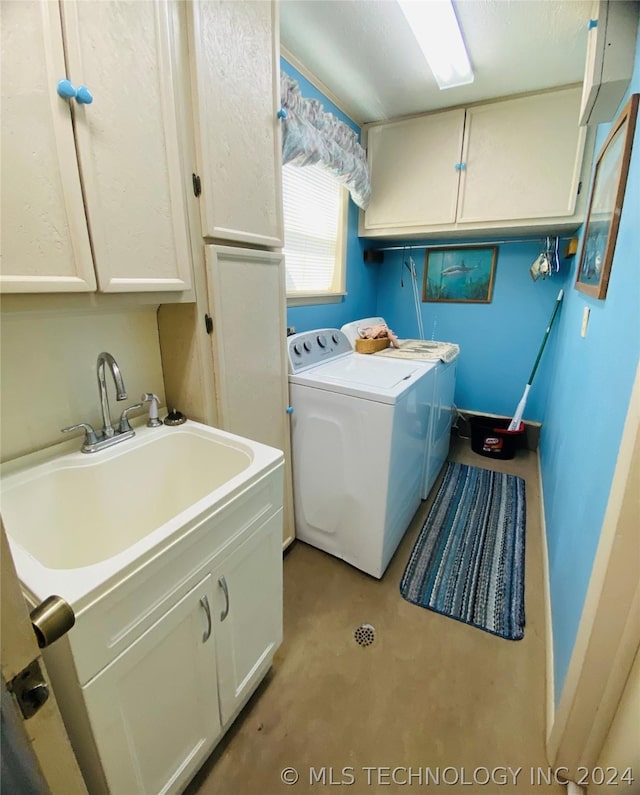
column 364, row 635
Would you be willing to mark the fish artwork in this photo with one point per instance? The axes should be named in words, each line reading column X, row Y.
column 458, row 270
column 459, row 274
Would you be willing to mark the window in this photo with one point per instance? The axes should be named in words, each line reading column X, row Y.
column 315, row 222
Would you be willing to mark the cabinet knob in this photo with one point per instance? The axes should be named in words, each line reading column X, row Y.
column 593, row 23
column 67, row 90
column 289, row 409
column 282, row 113
column 84, row 96
column 460, row 166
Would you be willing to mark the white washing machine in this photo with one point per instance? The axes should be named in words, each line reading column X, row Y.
column 425, row 353
column 359, row 428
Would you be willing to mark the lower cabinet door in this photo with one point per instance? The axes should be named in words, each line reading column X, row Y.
column 154, row 710
column 248, row 614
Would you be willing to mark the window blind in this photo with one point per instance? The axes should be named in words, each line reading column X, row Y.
column 311, row 203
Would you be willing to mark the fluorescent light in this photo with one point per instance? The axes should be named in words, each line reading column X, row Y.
column 436, row 29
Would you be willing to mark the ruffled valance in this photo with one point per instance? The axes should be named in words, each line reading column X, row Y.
column 309, row 135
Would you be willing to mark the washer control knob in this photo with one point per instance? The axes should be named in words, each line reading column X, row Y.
column 335, row 338
column 307, row 346
column 322, row 341
column 297, row 349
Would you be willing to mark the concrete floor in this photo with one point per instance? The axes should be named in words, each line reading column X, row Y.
column 430, row 692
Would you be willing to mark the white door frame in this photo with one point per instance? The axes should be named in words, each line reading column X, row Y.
column 609, row 632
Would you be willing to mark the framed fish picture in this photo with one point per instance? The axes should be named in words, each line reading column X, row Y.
column 460, row 275
column 605, row 204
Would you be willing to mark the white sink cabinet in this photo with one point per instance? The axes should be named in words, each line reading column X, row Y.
column 153, row 711
column 146, row 721
column 174, row 632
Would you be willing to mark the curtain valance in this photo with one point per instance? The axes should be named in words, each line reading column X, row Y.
column 310, row 135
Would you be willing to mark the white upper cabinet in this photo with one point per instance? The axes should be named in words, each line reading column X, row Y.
column 234, row 50
column 128, row 142
column 611, row 50
column 128, row 152
column 509, row 165
column 428, row 145
column 522, row 159
column 45, row 243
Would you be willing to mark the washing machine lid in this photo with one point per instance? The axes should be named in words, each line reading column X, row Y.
column 358, row 375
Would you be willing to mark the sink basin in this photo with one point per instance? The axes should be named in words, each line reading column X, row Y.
column 76, row 519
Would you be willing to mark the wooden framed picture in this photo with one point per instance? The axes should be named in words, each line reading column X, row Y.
column 605, row 204
column 460, row 275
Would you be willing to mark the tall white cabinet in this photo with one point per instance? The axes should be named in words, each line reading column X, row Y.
column 239, row 325
column 234, row 55
column 248, row 331
column 93, row 195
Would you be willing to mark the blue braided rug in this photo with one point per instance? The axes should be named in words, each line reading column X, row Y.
column 468, row 561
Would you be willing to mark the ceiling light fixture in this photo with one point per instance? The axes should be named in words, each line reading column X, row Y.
column 436, row 29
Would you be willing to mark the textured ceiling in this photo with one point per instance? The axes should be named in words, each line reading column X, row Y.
column 365, row 53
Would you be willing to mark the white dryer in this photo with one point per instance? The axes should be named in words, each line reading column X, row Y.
column 359, row 428
column 444, row 356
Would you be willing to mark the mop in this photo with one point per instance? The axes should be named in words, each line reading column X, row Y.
column 514, row 425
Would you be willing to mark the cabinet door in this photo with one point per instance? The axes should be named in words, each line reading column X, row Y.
column 414, row 180
column 45, row 243
column 611, row 47
column 154, row 710
column 236, row 72
column 248, row 615
column 523, row 158
column 128, row 142
column 246, row 299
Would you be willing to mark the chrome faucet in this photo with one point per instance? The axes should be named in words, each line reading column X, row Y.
column 105, row 358
column 110, row 435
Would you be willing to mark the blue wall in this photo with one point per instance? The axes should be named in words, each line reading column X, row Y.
column 590, row 388
column 360, row 300
column 498, row 341
column 581, row 391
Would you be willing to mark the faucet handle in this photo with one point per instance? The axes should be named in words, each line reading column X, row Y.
column 154, row 401
column 90, row 436
column 125, row 425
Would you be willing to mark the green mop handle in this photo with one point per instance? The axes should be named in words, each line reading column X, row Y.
column 546, row 335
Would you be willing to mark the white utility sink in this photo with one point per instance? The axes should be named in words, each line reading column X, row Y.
column 75, row 521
